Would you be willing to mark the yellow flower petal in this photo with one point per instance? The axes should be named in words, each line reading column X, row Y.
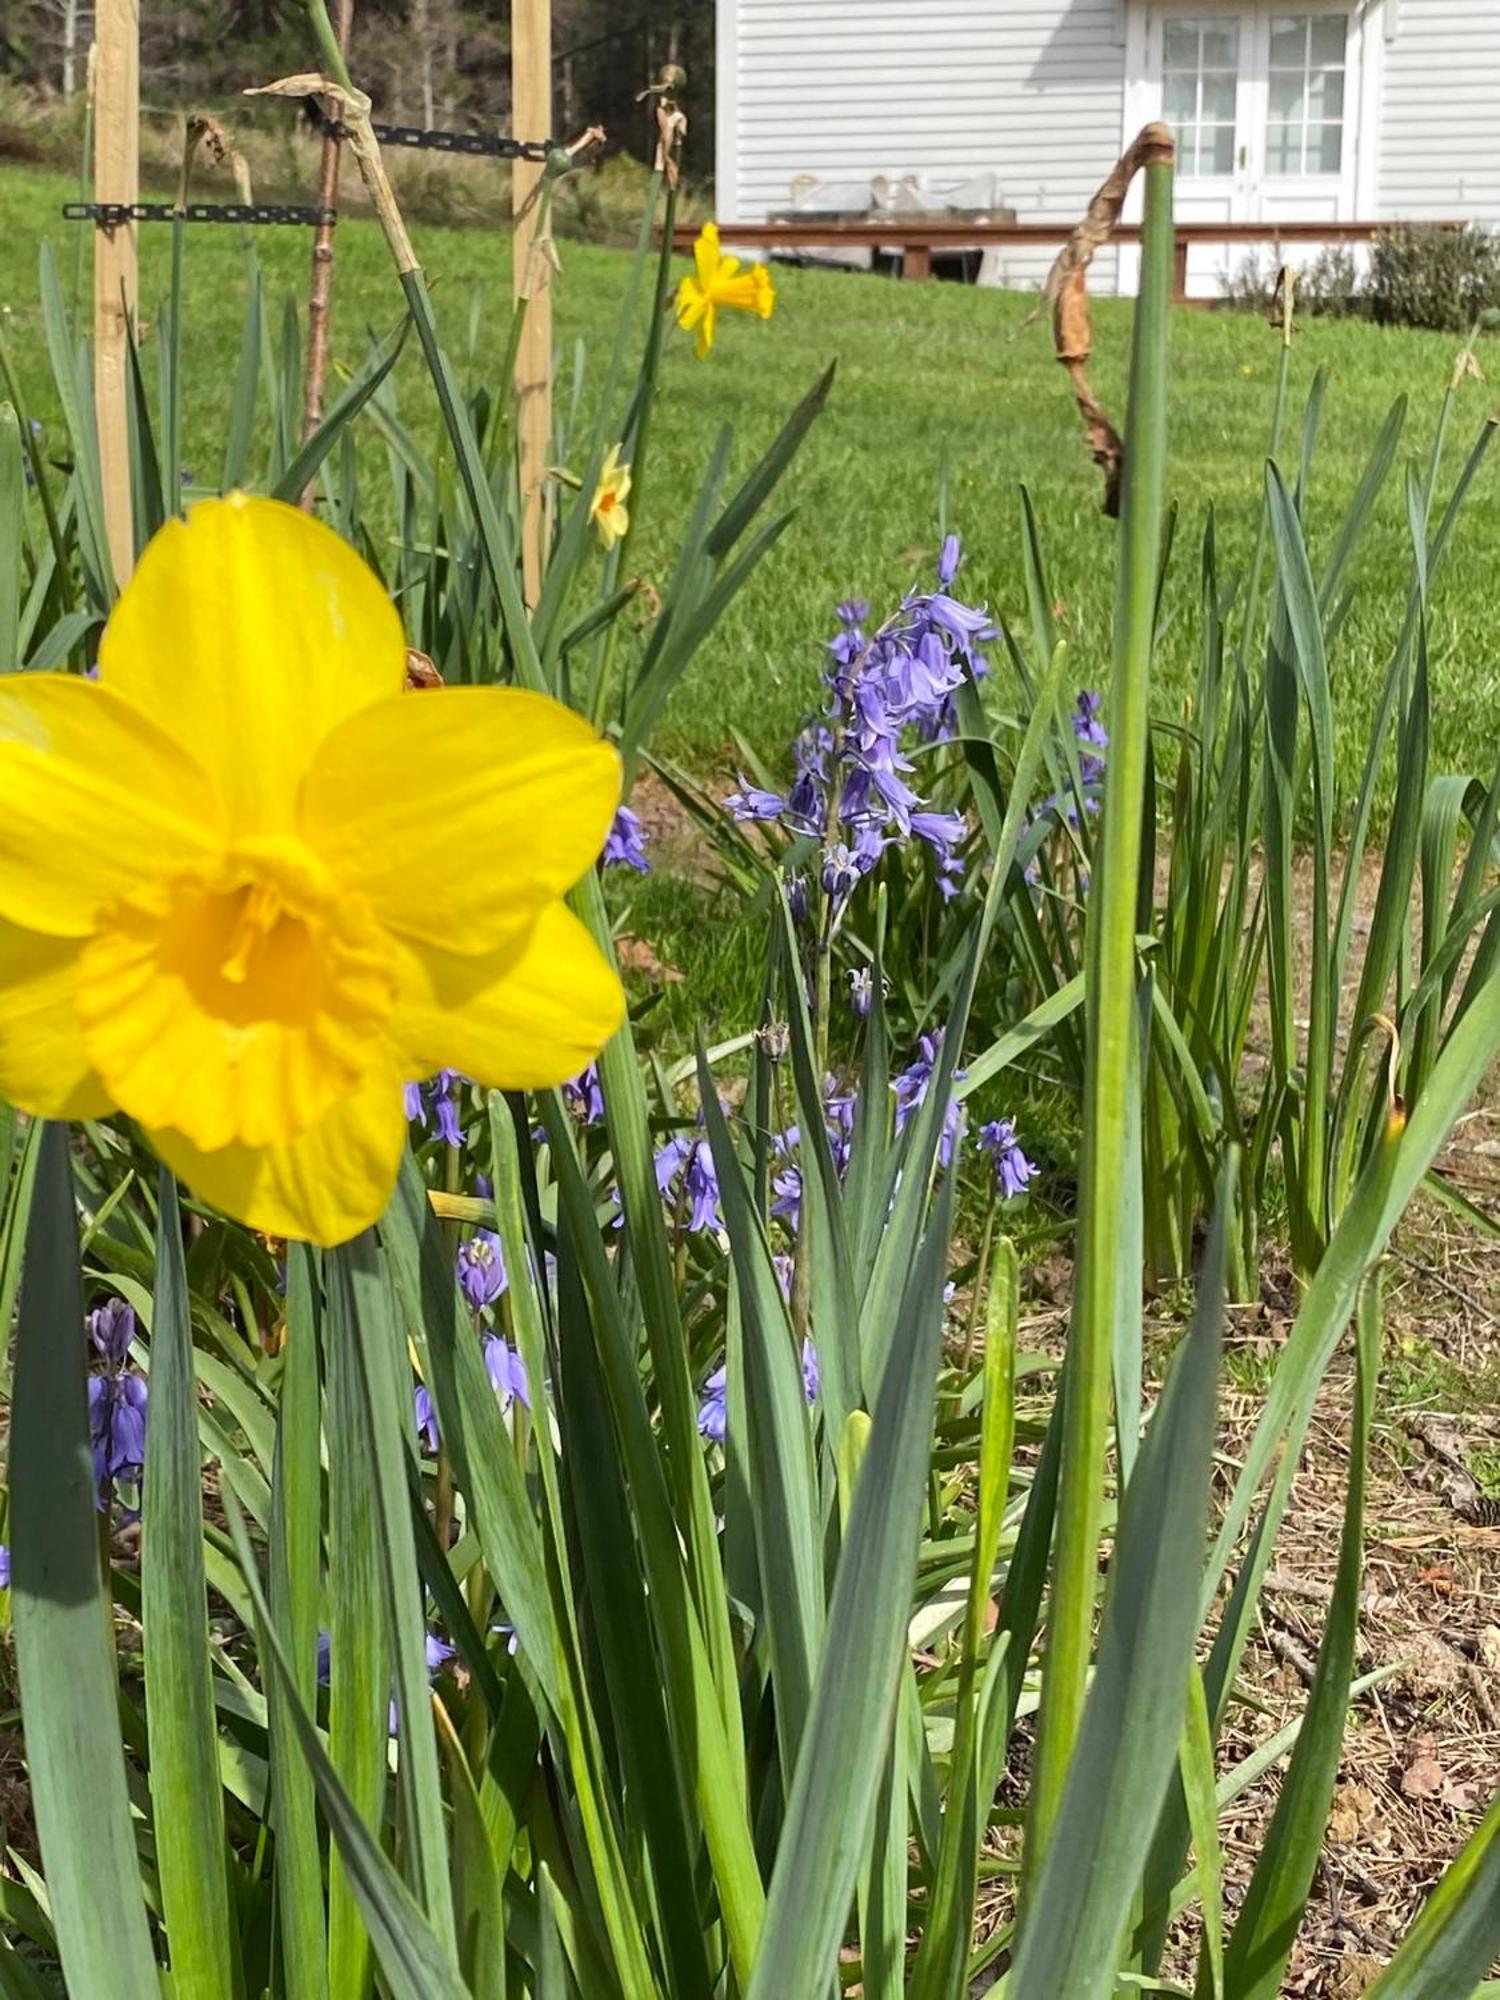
column 706, row 254
column 44, row 1066
column 250, row 631
column 514, row 1023
column 461, row 812
column 238, row 1009
column 94, row 799
column 324, row 1186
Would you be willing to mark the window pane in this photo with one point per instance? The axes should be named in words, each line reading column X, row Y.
column 1187, row 154
column 1218, row 98
column 1216, row 149
column 1284, row 149
column 1221, row 45
column 1289, row 41
column 1179, row 99
column 1328, row 35
column 1325, row 94
column 1286, row 97
column 1179, row 47
column 1325, row 149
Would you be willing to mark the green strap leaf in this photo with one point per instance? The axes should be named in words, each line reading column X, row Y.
column 61, row 1613
column 1132, row 1720
column 186, row 1797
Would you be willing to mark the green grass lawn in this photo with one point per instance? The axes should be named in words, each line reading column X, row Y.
column 929, row 375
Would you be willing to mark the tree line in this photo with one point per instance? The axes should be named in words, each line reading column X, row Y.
column 427, row 62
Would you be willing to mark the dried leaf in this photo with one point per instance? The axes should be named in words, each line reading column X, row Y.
column 1067, row 290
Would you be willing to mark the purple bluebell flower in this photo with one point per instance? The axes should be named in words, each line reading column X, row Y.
column 841, row 872
column 425, row 1412
column 584, row 1096
column 325, row 1657
column 501, row 1630
column 910, row 1088
column 482, row 1275
column 782, row 1265
column 4, row 1566
column 786, row 1191
column 942, row 831
column 702, row 1187
column 752, row 802
column 853, row 611
column 861, row 990
column 439, row 1652
column 111, row 1328
column 1012, row 1168
column 669, row 1162
column 812, row 1375
column 507, row 1372
column 1088, row 727
column 796, row 898
column 713, row 1412
column 436, row 1102
column 624, row 844
column 948, row 560
column 117, row 1399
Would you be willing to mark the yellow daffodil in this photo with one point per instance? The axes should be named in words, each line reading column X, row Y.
column 718, row 281
column 607, row 509
column 248, row 888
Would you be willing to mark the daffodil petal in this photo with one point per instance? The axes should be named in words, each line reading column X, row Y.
column 324, row 1186
column 692, row 303
column 44, row 1066
column 94, row 799
column 461, row 814
column 514, row 1023
column 706, row 253
column 250, row 631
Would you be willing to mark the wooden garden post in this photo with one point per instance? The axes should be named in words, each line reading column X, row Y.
column 531, row 118
column 116, row 176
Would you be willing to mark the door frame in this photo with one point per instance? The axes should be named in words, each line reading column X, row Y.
column 1364, row 74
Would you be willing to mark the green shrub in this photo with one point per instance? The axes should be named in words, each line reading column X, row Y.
column 1439, row 278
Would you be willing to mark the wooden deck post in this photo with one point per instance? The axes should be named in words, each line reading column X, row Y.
column 116, row 178
column 531, row 118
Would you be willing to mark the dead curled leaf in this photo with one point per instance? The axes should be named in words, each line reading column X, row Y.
column 1066, row 290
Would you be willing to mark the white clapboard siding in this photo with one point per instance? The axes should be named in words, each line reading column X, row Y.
column 1440, row 111
column 1030, row 91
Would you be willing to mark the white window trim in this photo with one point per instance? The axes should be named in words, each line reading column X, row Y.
column 1371, row 25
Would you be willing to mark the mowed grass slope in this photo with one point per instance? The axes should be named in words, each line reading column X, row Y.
column 928, row 376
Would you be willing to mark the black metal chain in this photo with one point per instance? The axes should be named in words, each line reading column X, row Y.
column 494, row 145
column 110, row 214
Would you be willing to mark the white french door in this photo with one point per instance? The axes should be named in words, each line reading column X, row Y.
column 1261, row 96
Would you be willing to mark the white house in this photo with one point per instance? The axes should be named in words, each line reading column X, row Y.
column 1361, row 110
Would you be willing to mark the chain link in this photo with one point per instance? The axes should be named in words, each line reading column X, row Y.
column 494, row 145
column 111, row 214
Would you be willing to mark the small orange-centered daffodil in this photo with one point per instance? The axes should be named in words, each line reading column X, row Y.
column 248, row 888
column 717, row 280
column 607, row 509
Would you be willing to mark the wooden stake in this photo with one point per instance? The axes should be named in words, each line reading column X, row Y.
column 116, row 178
column 320, row 294
column 531, row 118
